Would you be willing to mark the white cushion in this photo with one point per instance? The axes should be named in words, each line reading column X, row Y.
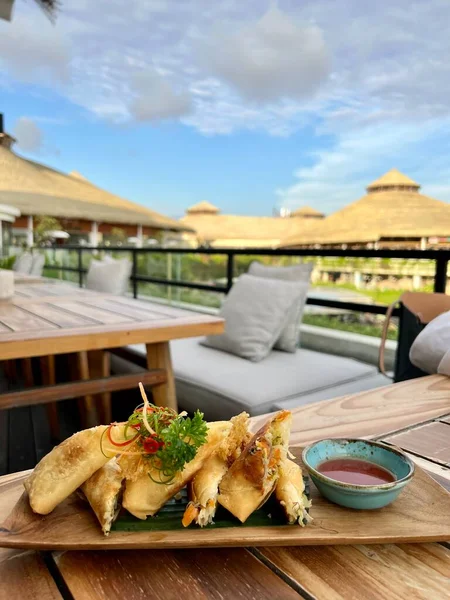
column 37, row 265
column 431, row 344
column 109, row 276
column 255, row 312
column 289, row 336
column 23, row 263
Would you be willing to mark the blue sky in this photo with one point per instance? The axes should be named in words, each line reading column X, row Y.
column 245, row 104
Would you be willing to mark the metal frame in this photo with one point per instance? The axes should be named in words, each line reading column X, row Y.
column 440, row 257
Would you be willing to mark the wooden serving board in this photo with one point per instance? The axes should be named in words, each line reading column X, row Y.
column 420, row 514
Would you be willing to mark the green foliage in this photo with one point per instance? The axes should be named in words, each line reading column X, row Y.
column 335, row 322
column 174, row 440
column 378, row 295
column 43, row 228
column 117, row 236
column 7, row 262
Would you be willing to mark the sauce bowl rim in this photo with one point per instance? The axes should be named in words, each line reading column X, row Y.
column 358, row 486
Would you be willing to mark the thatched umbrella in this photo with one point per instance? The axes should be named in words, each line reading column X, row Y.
column 307, row 212
column 203, row 208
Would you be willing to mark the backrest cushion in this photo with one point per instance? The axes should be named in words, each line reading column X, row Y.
column 37, row 265
column 110, row 277
column 255, row 312
column 23, row 263
column 289, row 336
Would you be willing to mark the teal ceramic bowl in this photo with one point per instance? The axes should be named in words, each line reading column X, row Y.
column 363, row 497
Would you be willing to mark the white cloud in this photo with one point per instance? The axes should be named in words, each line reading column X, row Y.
column 156, row 99
column 34, row 52
column 387, row 59
column 340, row 175
column 272, row 58
column 29, row 135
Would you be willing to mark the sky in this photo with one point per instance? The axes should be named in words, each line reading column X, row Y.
column 249, row 104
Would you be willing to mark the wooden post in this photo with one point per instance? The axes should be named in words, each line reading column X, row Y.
column 158, row 357
column 86, row 404
column 49, row 378
column 100, row 366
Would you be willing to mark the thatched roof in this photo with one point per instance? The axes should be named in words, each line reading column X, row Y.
column 36, row 189
column 235, row 231
column 202, row 208
column 393, row 208
column 307, row 212
column 393, row 179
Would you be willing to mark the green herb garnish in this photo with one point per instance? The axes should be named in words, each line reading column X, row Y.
column 181, row 440
column 168, row 440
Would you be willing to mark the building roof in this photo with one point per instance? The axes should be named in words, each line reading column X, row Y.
column 235, row 231
column 307, row 211
column 392, row 208
column 203, row 208
column 393, row 178
column 36, row 189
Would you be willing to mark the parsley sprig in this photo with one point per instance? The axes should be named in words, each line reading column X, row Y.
column 181, row 440
column 173, row 444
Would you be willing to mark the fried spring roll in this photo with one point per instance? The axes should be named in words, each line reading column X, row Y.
column 204, row 488
column 253, row 476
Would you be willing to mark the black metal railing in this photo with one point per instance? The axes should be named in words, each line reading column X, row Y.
column 439, row 257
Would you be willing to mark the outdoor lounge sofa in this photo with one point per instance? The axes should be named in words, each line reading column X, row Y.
column 222, row 385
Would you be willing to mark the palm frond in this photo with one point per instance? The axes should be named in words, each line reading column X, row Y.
column 50, row 7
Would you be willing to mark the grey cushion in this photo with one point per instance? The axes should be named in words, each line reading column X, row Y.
column 255, row 312
column 109, row 276
column 289, row 336
column 363, row 384
column 37, row 265
column 23, row 263
column 223, row 385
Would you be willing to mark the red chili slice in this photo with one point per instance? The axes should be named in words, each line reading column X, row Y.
column 119, row 444
column 151, row 445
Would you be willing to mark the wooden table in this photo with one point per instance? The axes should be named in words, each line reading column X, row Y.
column 46, row 319
column 414, row 414
column 25, row 278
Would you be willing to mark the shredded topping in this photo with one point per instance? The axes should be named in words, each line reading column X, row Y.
column 163, row 440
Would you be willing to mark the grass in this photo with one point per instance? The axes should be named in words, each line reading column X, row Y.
column 379, row 296
column 334, row 322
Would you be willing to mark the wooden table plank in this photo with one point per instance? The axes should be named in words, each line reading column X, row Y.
column 430, row 441
column 21, row 321
column 372, row 413
column 64, row 341
column 439, row 473
column 22, row 574
column 388, row 572
column 137, row 312
column 228, row 574
column 162, row 310
column 105, row 317
column 25, row 575
column 58, row 316
column 445, row 419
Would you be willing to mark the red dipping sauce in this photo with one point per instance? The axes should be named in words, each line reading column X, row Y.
column 355, row 471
